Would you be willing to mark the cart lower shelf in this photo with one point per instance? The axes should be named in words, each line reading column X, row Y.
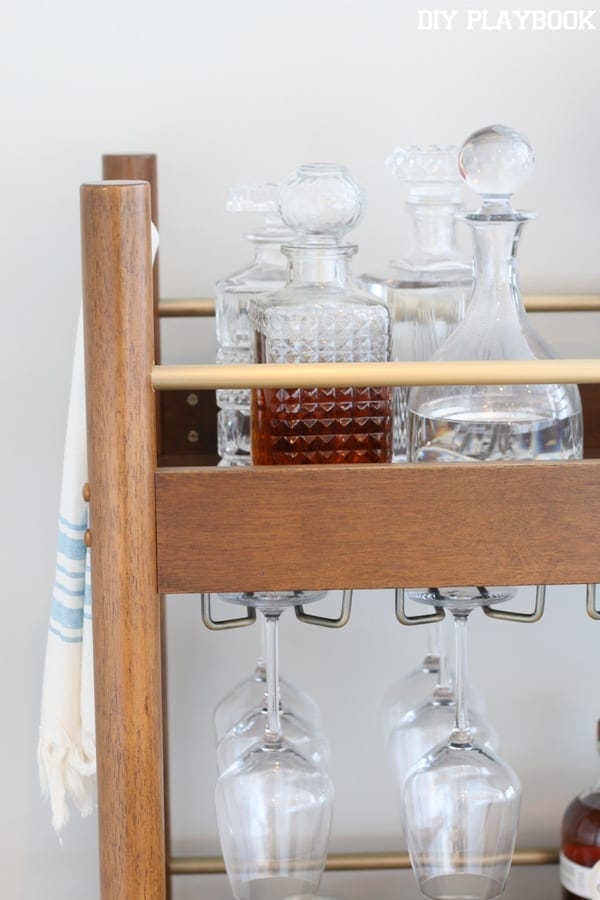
column 525, row 883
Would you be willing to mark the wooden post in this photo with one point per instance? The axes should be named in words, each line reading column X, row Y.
column 143, row 167
column 121, row 410
column 139, row 167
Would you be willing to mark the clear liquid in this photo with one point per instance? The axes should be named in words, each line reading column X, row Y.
column 278, row 888
column 445, row 437
column 461, row 886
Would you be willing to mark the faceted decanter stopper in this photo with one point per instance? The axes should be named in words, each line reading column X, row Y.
column 259, row 197
column 321, row 203
column 495, row 162
column 431, row 173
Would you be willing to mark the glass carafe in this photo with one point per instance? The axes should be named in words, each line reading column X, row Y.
column 428, row 288
column 495, row 422
column 320, row 316
column 266, row 272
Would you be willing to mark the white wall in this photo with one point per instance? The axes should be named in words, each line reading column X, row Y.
column 232, row 91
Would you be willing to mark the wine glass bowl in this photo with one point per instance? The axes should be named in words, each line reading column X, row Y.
column 274, row 812
column 461, row 806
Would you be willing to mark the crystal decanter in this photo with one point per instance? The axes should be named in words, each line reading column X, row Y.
column 428, row 288
column 494, row 422
column 321, row 316
column 266, row 272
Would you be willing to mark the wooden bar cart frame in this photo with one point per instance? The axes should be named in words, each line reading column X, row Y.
column 158, row 530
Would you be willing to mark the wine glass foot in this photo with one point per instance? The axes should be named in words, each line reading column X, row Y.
column 273, row 601
column 461, row 600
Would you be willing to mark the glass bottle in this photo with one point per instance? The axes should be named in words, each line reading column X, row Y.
column 580, row 844
column 493, row 422
column 320, row 316
column 266, row 272
column 427, row 288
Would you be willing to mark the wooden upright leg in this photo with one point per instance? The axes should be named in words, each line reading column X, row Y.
column 117, row 287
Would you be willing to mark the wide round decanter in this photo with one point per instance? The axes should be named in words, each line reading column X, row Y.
column 494, row 422
column 320, row 316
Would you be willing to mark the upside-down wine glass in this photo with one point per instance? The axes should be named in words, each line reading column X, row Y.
column 274, row 806
column 248, row 697
column 429, row 722
column 461, row 801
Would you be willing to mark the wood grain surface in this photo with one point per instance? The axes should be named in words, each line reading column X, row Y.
column 319, row 527
column 117, row 287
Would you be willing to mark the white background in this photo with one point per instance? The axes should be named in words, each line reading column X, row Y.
column 225, row 92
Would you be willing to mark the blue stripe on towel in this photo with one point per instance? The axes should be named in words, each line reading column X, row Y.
column 71, row 547
column 68, row 591
column 63, row 637
column 71, row 525
column 65, row 615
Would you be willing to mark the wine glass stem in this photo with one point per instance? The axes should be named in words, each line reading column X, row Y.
column 260, row 662
column 461, row 725
column 435, row 640
column 273, row 729
column 442, row 654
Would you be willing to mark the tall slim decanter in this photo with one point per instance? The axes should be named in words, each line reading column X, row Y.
column 428, row 287
column 580, row 845
column 266, row 272
column 493, row 422
column 320, row 316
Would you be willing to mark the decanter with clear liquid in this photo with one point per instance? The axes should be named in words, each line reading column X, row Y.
column 266, row 272
column 320, row 316
column 495, row 422
column 428, row 288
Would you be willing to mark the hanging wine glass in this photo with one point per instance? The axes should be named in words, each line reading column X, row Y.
column 461, row 801
column 248, row 697
column 410, row 690
column 429, row 723
column 304, row 736
column 274, row 806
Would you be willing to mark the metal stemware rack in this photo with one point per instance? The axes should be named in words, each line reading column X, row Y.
column 162, row 516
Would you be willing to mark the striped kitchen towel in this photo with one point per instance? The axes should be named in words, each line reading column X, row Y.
column 67, row 741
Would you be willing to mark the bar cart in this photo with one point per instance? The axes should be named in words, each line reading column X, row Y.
column 166, row 529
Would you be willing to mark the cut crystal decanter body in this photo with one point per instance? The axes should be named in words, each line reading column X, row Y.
column 320, row 316
column 493, row 422
column 266, row 272
column 428, row 288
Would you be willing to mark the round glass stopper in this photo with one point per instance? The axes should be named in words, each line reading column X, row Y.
column 321, row 201
column 496, row 161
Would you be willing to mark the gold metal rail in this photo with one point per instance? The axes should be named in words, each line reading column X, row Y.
column 353, row 862
column 274, row 375
column 205, row 306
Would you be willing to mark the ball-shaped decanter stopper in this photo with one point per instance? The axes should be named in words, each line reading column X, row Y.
column 321, row 203
column 496, row 161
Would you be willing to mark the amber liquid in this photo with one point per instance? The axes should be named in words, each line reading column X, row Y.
column 296, row 426
column 581, row 834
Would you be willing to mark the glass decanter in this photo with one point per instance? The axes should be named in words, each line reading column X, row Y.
column 266, row 272
column 320, row 316
column 428, row 288
column 494, row 422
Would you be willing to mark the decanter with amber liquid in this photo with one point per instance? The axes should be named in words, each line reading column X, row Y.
column 320, row 316
column 580, row 845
